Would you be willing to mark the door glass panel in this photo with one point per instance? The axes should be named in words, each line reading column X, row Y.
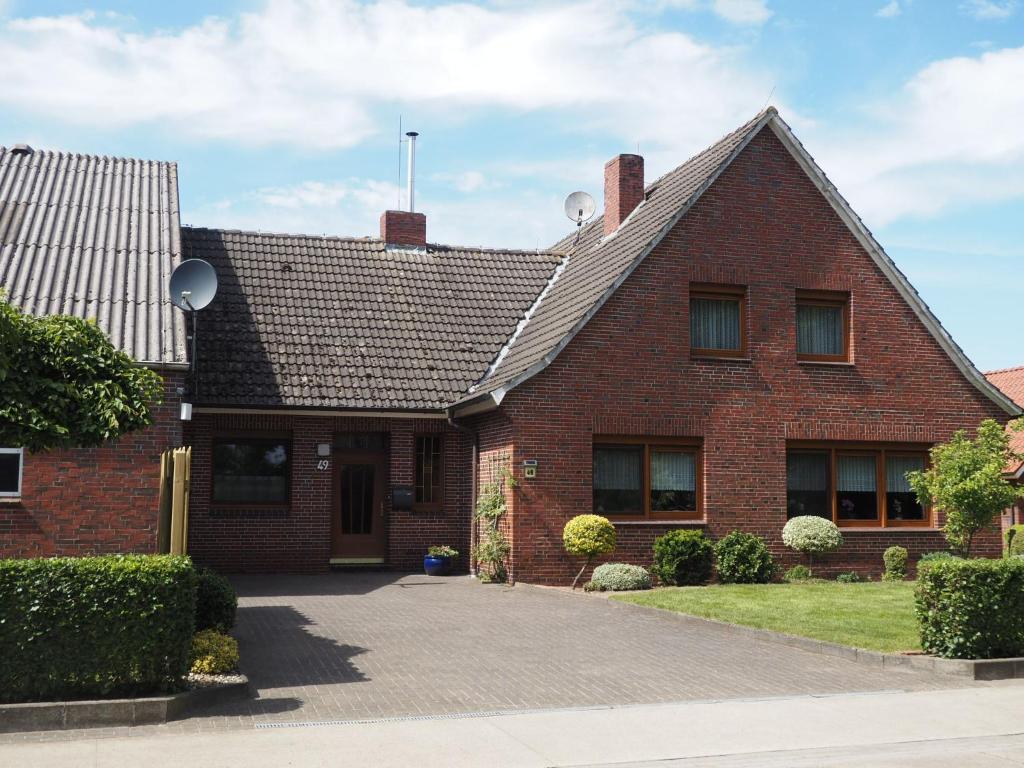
column 357, row 484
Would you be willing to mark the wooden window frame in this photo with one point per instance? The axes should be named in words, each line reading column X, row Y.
column 428, row 506
column 20, row 453
column 682, row 445
column 720, row 292
column 241, row 437
column 833, row 300
column 880, row 451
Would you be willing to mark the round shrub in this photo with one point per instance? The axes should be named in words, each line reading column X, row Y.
column 743, row 558
column 216, row 601
column 588, row 536
column 213, row 653
column 811, row 535
column 849, row 578
column 616, row 577
column 1015, row 540
column 797, row 573
column 683, row 558
column 895, row 559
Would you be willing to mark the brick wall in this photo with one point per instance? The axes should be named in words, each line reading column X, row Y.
column 96, row 500
column 762, row 225
column 297, row 537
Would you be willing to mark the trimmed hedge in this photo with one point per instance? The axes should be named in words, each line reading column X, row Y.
column 683, row 558
column 617, row 577
column 216, row 601
column 743, row 558
column 1014, row 538
column 895, row 559
column 94, row 626
column 971, row 609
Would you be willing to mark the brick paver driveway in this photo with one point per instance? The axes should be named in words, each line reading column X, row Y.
column 365, row 645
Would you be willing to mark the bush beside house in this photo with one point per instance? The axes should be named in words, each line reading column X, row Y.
column 743, row 558
column 95, row 626
column 588, row 536
column 812, row 536
column 216, row 601
column 618, row 577
column 683, row 558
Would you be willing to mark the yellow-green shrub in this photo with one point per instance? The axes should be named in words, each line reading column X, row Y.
column 213, row 653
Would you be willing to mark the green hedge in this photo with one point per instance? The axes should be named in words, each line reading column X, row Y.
column 683, row 558
column 971, row 609
column 216, row 601
column 94, row 626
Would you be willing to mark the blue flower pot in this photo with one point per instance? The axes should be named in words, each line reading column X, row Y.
column 437, row 566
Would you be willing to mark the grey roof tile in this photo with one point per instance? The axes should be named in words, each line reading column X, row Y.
column 347, row 323
column 94, row 237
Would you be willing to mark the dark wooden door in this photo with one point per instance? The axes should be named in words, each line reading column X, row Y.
column 358, row 526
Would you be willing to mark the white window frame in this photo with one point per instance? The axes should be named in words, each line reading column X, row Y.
column 21, row 471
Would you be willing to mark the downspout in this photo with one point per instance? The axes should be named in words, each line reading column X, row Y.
column 475, row 436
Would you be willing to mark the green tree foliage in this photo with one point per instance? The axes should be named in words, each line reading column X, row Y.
column 63, row 384
column 966, row 482
column 588, row 536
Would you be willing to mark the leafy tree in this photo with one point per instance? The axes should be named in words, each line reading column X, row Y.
column 588, row 536
column 966, row 482
column 64, row 385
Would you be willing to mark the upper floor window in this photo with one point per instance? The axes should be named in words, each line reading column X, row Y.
column 10, row 471
column 854, row 485
column 637, row 479
column 429, row 489
column 251, row 470
column 717, row 320
column 822, row 326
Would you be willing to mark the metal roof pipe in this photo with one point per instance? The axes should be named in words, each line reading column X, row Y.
column 411, row 175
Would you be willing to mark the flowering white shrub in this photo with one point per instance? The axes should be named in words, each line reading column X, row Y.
column 811, row 535
column 616, row 577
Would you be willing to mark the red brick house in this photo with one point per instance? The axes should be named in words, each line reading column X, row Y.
column 1011, row 382
column 728, row 345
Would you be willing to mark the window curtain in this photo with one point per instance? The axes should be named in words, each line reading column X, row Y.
column 896, row 468
column 715, row 324
column 856, row 474
column 673, row 471
column 819, row 330
column 617, row 468
column 807, row 472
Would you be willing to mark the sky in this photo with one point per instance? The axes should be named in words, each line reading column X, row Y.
column 283, row 115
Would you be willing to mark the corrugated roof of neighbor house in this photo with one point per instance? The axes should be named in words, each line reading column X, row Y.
column 94, row 237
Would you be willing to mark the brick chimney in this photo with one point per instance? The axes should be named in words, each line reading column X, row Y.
column 623, row 189
column 403, row 228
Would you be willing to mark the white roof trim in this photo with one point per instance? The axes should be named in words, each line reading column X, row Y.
column 888, row 267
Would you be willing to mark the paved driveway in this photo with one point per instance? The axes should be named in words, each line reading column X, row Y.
column 366, row 645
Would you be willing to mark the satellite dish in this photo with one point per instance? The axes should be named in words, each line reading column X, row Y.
column 579, row 206
column 193, row 285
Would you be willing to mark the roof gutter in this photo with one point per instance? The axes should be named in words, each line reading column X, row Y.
column 431, row 413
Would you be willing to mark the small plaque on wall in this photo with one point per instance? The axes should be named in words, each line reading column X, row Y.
column 401, row 497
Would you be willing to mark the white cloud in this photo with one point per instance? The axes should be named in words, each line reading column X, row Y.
column 989, row 10
column 465, row 181
column 316, row 73
column 952, row 135
column 889, row 10
column 742, row 11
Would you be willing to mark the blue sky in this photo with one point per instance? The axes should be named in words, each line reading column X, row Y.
column 283, row 114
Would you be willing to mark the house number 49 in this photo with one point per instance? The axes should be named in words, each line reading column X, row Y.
column 323, row 464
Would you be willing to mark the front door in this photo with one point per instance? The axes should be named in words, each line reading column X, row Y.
column 358, row 530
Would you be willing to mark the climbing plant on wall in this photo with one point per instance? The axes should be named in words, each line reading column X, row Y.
column 492, row 548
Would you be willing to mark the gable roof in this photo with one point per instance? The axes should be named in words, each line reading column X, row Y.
column 344, row 323
column 1011, row 382
column 94, row 237
column 597, row 265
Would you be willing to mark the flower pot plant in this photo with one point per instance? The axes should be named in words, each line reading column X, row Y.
column 438, row 560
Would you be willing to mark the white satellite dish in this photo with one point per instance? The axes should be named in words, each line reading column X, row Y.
column 193, row 285
column 579, row 206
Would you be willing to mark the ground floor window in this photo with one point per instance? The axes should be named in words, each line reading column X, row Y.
column 429, row 488
column 649, row 478
column 250, row 470
column 10, row 471
column 854, row 485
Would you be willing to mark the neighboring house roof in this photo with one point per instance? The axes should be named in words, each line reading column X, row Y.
column 597, row 265
column 94, row 237
column 327, row 322
column 1011, row 382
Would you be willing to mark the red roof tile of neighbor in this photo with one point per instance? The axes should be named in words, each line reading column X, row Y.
column 1011, row 382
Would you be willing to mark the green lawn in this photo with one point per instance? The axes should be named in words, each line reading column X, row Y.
column 878, row 616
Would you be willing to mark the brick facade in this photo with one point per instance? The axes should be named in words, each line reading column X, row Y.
column 296, row 537
column 765, row 226
column 96, row 500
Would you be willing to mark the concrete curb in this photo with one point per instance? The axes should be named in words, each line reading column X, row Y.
column 62, row 715
column 972, row 669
